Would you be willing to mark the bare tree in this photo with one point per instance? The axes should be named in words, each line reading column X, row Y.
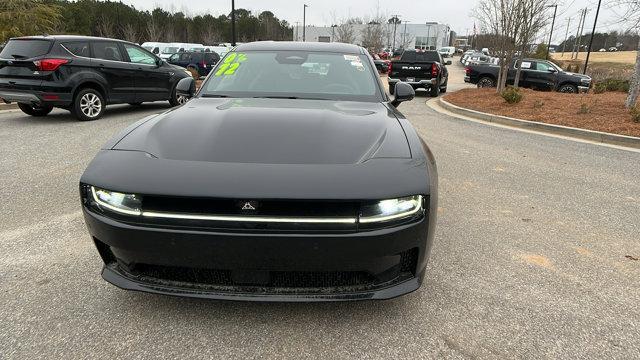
column 373, row 35
column 504, row 20
column 129, row 32
column 345, row 33
column 210, row 35
column 533, row 18
column 632, row 16
column 154, row 31
column 105, row 26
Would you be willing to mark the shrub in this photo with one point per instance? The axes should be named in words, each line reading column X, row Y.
column 511, row 95
column 635, row 113
column 599, row 88
column 584, row 109
column 538, row 104
column 617, row 85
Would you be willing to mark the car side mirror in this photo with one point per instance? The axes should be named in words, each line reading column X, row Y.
column 186, row 87
column 159, row 62
column 552, row 70
column 404, row 92
column 448, row 62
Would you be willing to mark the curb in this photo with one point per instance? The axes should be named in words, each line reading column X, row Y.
column 11, row 106
column 591, row 135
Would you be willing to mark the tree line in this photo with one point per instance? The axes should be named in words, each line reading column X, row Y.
column 118, row 20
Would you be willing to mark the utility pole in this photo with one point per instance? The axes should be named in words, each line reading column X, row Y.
column 304, row 22
column 395, row 19
column 297, row 34
column 233, row 23
column 593, row 32
column 584, row 20
column 564, row 43
column 555, row 9
column 575, row 40
column 404, row 34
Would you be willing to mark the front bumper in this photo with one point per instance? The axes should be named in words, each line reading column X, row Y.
column 583, row 89
column 375, row 264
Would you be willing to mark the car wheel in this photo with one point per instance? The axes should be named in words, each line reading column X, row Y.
column 568, row 88
column 486, row 82
column 177, row 100
column 392, row 88
column 88, row 105
column 443, row 89
column 35, row 110
column 434, row 91
column 135, row 103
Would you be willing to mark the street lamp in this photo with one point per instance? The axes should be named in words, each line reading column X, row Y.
column 304, row 22
column 333, row 28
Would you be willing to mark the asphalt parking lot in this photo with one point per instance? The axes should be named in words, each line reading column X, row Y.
column 535, row 256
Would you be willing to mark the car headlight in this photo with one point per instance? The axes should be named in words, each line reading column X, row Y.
column 392, row 209
column 128, row 204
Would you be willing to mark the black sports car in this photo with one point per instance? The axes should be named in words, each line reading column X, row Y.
column 289, row 176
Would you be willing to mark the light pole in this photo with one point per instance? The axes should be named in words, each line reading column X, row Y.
column 395, row 19
column 564, row 43
column 555, row 9
column 304, row 22
column 333, row 28
column 593, row 32
column 233, row 23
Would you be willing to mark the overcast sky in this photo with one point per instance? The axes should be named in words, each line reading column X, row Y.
column 456, row 13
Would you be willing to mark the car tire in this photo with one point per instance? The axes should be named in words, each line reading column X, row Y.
column 175, row 99
column 486, row 82
column 443, row 89
column 434, row 91
column 35, row 110
column 392, row 88
column 88, row 104
column 568, row 88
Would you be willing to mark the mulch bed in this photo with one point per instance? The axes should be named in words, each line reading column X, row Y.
column 600, row 112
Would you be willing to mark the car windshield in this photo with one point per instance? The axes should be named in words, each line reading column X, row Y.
column 294, row 74
column 170, row 50
column 25, row 48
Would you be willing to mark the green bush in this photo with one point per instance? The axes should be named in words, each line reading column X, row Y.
column 599, row 88
column 635, row 113
column 617, row 85
column 584, row 109
column 511, row 95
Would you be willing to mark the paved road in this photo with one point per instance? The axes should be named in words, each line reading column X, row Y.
column 532, row 259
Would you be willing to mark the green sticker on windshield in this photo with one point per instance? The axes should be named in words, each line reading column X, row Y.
column 231, row 64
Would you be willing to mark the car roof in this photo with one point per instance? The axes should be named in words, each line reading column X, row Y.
column 301, row 46
column 67, row 37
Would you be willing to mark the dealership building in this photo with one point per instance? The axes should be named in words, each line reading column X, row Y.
column 429, row 35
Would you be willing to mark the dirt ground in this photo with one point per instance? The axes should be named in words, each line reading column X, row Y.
column 623, row 57
column 600, row 112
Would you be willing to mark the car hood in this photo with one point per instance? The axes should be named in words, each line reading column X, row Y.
column 271, row 131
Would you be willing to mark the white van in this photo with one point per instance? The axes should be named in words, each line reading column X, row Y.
column 447, row 51
column 153, row 47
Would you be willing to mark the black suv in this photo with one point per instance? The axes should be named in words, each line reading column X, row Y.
column 202, row 62
column 83, row 74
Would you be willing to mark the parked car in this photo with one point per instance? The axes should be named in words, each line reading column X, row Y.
column 381, row 65
column 276, row 183
column 202, row 62
column 535, row 74
column 420, row 69
column 603, row 50
column 83, row 74
column 447, row 51
column 613, row 48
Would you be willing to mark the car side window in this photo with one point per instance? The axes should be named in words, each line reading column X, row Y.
column 107, row 50
column 540, row 66
column 185, row 57
column 77, row 48
column 174, row 57
column 139, row 56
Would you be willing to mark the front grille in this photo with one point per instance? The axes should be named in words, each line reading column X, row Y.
column 268, row 281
